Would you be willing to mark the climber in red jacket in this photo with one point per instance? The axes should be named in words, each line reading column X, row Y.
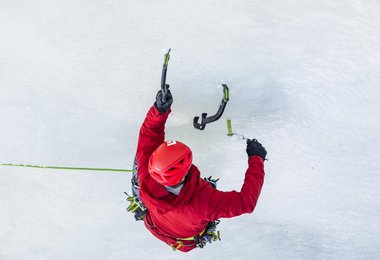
column 182, row 208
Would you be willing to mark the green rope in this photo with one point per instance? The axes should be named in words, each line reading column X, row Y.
column 66, row 168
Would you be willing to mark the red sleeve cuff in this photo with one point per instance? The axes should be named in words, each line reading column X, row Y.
column 160, row 113
column 255, row 159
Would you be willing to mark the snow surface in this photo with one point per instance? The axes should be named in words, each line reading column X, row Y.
column 77, row 77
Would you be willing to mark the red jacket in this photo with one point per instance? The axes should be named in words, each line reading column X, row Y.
column 170, row 216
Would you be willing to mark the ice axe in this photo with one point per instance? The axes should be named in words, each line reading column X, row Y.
column 164, row 86
column 205, row 120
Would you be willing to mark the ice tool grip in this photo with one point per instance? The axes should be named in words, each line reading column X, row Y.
column 204, row 119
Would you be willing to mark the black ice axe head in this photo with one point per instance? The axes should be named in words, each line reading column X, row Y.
column 204, row 119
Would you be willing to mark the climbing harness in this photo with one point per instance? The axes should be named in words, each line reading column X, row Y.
column 208, row 235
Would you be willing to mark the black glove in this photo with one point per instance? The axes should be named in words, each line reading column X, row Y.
column 255, row 148
column 162, row 106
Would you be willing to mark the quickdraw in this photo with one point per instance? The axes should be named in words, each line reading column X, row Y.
column 209, row 236
column 136, row 206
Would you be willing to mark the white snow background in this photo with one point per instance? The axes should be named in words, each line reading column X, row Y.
column 77, row 78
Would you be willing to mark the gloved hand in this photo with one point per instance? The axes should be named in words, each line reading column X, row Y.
column 255, row 148
column 161, row 105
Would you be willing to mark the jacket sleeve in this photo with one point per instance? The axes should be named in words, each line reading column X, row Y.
column 229, row 204
column 152, row 135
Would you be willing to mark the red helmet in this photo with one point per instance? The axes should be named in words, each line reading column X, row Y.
column 170, row 162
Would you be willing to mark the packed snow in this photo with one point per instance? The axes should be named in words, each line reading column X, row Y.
column 77, row 78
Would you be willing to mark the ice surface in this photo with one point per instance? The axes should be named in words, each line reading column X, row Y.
column 77, row 77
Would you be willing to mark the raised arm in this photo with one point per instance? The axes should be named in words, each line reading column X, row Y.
column 152, row 132
column 229, row 204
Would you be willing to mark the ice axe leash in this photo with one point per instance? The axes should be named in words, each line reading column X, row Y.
column 204, row 119
column 66, row 168
column 164, row 86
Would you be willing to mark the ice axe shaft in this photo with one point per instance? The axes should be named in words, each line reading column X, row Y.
column 164, row 86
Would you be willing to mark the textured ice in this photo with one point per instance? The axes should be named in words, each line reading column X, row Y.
column 77, row 77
